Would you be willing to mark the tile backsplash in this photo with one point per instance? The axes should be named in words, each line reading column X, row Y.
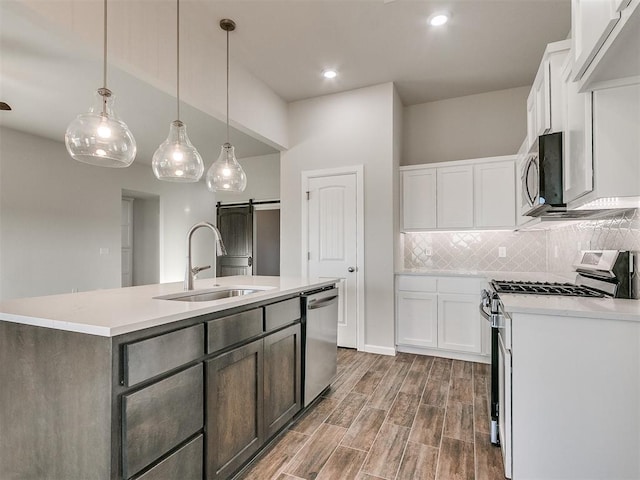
column 618, row 233
column 525, row 251
column 534, row 251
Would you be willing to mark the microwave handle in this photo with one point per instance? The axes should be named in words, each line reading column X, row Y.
column 525, row 185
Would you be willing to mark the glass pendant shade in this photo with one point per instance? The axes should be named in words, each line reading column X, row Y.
column 99, row 137
column 226, row 174
column 176, row 159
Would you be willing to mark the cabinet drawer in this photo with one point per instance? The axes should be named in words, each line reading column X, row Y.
column 160, row 417
column 471, row 286
column 281, row 313
column 411, row 283
column 185, row 464
column 226, row 331
column 151, row 357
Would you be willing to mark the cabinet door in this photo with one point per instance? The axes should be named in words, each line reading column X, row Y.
column 459, row 323
column 455, row 196
column 592, row 21
column 532, row 132
column 417, row 319
column 419, row 199
column 542, row 92
column 616, row 144
column 234, row 409
column 520, row 200
column 577, row 156
column 282, row 378
column 495, row 194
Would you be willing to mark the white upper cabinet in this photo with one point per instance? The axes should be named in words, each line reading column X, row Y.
column 494, row 189
column 522, row 156
column 459, row 195
column 577, row 155
column 544, row 104
column 606, row 45
column 592, row 21
column 616, row 149
column 455, row 197
column 419, row 199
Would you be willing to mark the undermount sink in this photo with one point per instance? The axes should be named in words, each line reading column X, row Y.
column 210, row 295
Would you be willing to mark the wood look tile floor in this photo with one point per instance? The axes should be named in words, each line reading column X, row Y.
column 394, row 418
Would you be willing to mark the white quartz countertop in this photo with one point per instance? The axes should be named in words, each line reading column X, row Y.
column 122, row 310
column 601, row 308
column 604, row 308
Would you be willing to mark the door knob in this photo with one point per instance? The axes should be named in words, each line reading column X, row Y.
column 351, row 269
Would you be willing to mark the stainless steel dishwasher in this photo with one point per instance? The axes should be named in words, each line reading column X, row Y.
column 320, row 327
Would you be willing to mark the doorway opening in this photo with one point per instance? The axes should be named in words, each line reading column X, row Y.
column 251, row 235
column 140, row 238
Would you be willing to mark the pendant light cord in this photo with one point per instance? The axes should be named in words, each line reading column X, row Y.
column 227, row 86
column 104, row 66
column 178, row 57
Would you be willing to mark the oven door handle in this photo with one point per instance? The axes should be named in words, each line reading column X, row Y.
column 483, row 312
column 494, row 319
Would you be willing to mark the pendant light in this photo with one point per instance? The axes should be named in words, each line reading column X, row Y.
column 99, row 137
column 226, row 174
column 176, row 159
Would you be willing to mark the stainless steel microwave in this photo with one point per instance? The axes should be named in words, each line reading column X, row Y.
column 541, row 177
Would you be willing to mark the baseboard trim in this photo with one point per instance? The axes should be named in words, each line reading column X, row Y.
column 380, row 350
column 434, row 352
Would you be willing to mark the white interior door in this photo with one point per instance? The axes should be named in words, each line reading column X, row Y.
column 332, row 215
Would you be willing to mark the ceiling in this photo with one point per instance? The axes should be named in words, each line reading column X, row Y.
column 488, row 45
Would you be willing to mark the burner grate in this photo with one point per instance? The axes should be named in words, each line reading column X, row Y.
column 544, row 288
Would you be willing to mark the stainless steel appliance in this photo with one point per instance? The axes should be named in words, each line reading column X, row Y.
column 320, row 333
column 600, row 273
column 541, row 175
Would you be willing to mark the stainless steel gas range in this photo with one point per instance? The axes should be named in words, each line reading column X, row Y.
column 599, row 274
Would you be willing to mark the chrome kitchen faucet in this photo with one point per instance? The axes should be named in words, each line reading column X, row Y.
column 191, row 271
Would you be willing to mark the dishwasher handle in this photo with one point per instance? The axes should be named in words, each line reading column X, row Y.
column 325, row 302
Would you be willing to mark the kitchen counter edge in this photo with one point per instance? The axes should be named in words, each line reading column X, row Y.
column 113, row 312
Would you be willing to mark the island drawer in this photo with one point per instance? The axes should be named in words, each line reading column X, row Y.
column 160, row 417
column 185, row 464
column 147, row 358
column 226, row 331
column 281, row 313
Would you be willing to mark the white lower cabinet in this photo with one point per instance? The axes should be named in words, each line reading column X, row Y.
column 459, row 323
column 439, row 316
column 419, row 313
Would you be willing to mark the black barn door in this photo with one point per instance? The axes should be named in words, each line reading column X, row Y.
column 236, row 227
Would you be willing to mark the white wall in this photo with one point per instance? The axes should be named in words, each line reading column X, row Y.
column 475, row 126
column 56, row 214
column 349, row 128
column 398, row 111
column 263, row 179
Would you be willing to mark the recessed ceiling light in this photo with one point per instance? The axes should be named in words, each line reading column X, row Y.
column 329, row 74
column 438, row 19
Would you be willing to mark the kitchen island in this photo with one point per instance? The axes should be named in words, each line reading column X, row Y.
column 120, row 384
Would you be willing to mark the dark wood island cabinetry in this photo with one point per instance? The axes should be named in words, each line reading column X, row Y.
column 192, row 399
